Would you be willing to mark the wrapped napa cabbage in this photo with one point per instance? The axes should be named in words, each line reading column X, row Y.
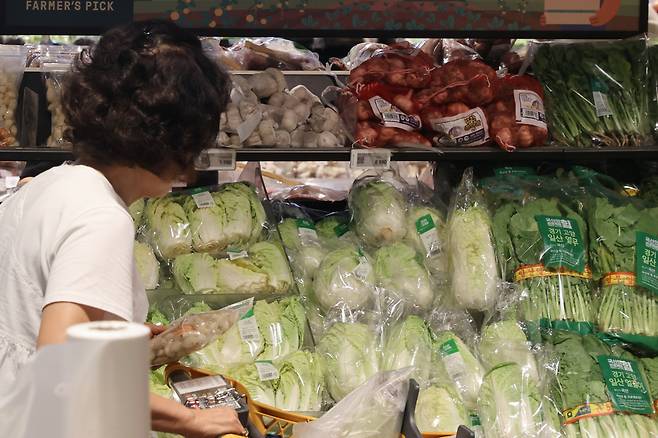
column 241, row 276
column 147, row 265
column 136, row 210
column 439, row 409
column 271, row 259
column 379, row 212
column 195, row 273
column 169, row 227
column 345, row 278
column 472, row 259
column 410, row 343
column 426, row 233
column 260, row 391
column 306, row 253
column 510, row 404
column 349, row 356
column 505, row 341
column 301, row 383
column 461, row 366
column 401, row 275
column 258, row 215
column 333, row 230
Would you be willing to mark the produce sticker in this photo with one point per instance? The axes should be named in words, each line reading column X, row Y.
column 563, row 243
column 426, row 229
column 341, row 230
column 266, row 370
column 202, row 198
column 529, row 108
column 514, row 171
column 646, row 255
column 306, row 231
column 626, row 387
column 467, row 129
column 452, row 360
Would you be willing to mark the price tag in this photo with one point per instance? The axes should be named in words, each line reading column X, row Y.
column 428, row 234
column 453, row 360
column 363, row 269
column 370, row 159
column 563, row 243
column 203, row 198
column 626, row 386
column 266, row 370
column 646, row 261
column 11, row 182
column 215, row 159
column 248, row 327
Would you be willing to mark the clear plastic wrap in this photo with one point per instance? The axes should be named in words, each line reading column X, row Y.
column 622, row 261
column 472, row 259
column 595, row 92
column 350, row 355
column 506, row 341
column 261, row 53
column 374, row 410
column 516, row 117
column 191, row 333
column 147, row 265
column 602, row 390
column 12, row 66
column 410, row 343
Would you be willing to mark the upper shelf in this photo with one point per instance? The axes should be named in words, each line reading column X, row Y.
column 343, row 154
column 342, row 19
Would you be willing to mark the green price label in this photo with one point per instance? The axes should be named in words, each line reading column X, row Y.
column 474, row 419
column 424, row 224
column 305, row 223
column 646, row 255
column 563, row 243
column 341, row 229
column 449, row 347
column 626, row 387
column 514, row 170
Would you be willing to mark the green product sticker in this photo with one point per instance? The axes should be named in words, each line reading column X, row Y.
column 305, row 223
column 474, row 419
column 341, row 229
column 249, row 313
column 563, row 243
column 598, row 85
column 626, row 387
column 449, row 347
column 646, row 255
column 514, row 170
column 424, row 224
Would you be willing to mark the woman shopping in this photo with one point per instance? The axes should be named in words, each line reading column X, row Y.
column 140, row 105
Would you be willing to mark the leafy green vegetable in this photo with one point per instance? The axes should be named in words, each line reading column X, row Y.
column 195, row 273
column 379, row 212
column 349, row 356
column 156, row 317
column 198, row 307
column 400, row 274
column 147, row 265
column 136, row 210
column 439, row 409
column 301, row 383
column 271, row 259
column 333, row 230
column 169, row 226
column 572, row 74
column 346, row 278
column 410, row 343
column 304, row 256
column 248, row 376
column 506, row 342
column 462, row 367
column 240, row 276
column 157, row 383
column 472, row 258
column 510, row 403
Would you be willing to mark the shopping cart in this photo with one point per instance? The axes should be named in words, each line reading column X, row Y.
column 264, row 419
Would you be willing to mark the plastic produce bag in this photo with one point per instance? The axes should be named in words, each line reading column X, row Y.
column 12, row 66
column 147, row 265
column 374, row 410
column 506, row 341
column 410, row 343
column 596, row 92
column 350, row 355
column 439, row 409
column 472, row 257
column 516, row 117
column 427, row 234
column 191, row 333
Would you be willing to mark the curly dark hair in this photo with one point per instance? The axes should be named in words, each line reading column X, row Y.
column 145, row 95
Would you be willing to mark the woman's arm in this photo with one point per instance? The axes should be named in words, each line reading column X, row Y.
column 170, row 416
column 59, row 316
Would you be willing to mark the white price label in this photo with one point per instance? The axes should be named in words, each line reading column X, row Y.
column 529, row 108
column 363, row 269
column 248, row 328
column 370, row 159
column 428, row 234
column 203, row 199
column 306, row 231
column 11, row 182
column 215, row 159
column 601, row 104
column 236, row 254
column 266, row 370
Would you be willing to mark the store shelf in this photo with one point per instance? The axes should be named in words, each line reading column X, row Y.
column 343, row 154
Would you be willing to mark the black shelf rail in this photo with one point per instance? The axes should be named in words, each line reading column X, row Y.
column 343, row 154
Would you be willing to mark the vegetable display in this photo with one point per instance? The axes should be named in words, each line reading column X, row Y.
column 147, row 265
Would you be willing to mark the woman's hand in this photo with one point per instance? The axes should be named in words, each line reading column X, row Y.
column 155, row 329
column 212, row 423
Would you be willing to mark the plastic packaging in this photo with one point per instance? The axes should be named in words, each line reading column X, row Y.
column 516, row 117
column 261, row 53
column 374, row 410
column 596, row 92
column 12, row 66
column 147, row 265
column 472, row 256
column 409, row 342
column 351, row 355
column 191, row 333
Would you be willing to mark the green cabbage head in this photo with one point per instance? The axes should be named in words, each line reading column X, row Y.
column 169, row 227
column 379, row 212
column 147, row 265
column 410, row 343
column 439, row 409
column 195, row 273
